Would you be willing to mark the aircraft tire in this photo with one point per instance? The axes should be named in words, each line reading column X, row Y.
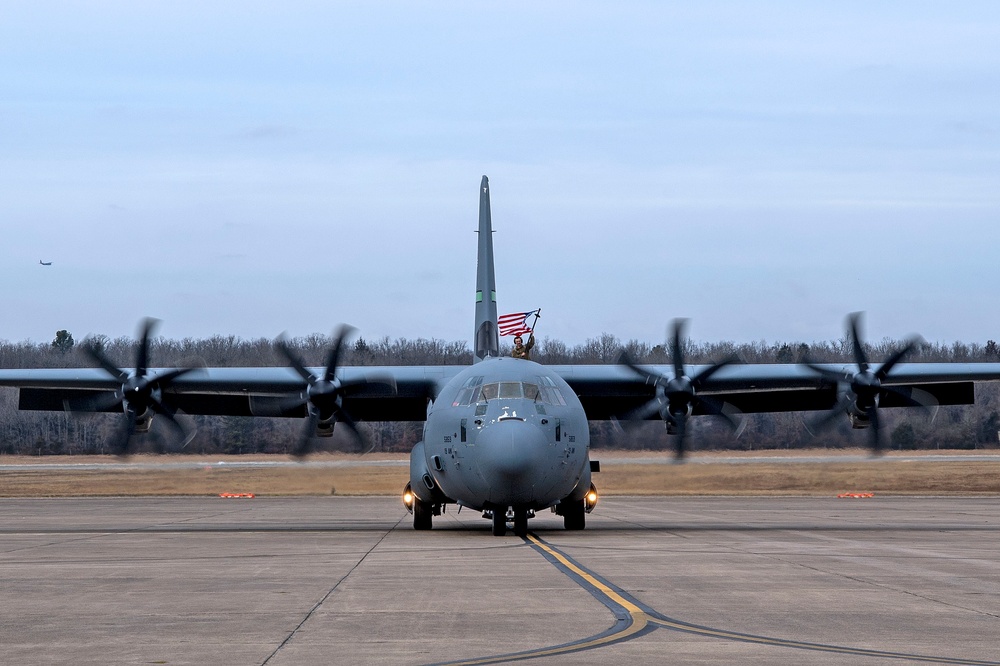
column 422, row 515
column 521, row 522
column 499, row 522
column 574, row 515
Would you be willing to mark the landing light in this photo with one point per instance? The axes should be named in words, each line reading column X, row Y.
column 590, row 499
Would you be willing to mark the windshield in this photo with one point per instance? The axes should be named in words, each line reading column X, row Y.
column 546, row 395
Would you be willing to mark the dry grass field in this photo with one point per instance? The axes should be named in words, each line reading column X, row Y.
column 197, row 476
column 356, row 475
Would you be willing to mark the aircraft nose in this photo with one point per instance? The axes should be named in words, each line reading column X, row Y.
column 512, row 457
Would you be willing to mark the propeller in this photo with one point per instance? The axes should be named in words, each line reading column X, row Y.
column 859, row 393
column 324, row 394
column 676, row 396
column 140, row 395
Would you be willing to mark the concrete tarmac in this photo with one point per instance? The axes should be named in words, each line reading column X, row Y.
column 335, row 580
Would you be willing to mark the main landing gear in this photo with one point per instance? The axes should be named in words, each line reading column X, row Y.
column 422, row 515
column 423, row 512
column 574, row 515
column 499, row 523
column 574, row 512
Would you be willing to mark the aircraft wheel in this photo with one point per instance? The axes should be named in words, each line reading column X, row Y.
column 422, row 515
column 499, row 522
column 521, row 522
column 574, row 515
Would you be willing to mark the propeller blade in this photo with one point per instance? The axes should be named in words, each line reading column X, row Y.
column 738, row 415
column 165, row 379
column 680, row 438
column 650, row 377
column 705, row 374
column 824, row 421
column 324, row 394
column 654, row 407
column 891, row 362
column 333, row 358
column 362, row 441
column 677, row 352
column 914, row 397
column 281, row 344
column 926, row 400
column 866, row 387
column 676, row 395
column 169, row 412
column 373, row 378
column 96, row 355
column 730, row 415
column 876, row 429
column 121, row 444
column 826, row 373
column 137, row 392
column 853, row 322
column 149, row 324
column 305, row 445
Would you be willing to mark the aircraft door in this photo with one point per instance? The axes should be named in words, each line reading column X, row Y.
column 463, row 439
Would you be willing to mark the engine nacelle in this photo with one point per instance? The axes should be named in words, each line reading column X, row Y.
column 858, row 421
column 143, row 421
column 859, row 410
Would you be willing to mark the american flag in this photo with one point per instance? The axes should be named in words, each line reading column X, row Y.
column 515, row 323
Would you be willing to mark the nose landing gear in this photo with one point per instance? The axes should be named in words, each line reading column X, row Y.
column 518, row 517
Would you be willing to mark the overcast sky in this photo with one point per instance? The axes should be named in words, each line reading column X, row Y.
column 762, row 168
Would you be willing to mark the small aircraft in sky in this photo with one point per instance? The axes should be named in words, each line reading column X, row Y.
column 44, row 263
column 505, row 436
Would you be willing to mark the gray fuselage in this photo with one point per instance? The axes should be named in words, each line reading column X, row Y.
column 504, row 433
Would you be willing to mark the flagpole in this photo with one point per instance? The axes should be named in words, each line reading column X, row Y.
column 538, row 313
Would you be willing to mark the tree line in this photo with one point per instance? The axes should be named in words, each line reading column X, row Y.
column 48, row 433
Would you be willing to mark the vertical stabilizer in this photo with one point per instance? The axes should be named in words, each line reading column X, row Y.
column 486, row 341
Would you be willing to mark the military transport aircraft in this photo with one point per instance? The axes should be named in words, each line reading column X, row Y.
column 504, row 436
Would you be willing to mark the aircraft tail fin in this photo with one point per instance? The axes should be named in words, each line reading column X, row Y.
column 486, row 341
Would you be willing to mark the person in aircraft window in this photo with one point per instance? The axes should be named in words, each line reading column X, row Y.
column 522, row 350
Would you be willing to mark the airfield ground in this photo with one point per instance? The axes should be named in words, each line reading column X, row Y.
column 819, row 473
column 100, row 566
column 284, row 581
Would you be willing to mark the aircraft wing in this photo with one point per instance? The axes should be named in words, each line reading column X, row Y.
column 381, row 393
column 605, row 391
column 608, row 391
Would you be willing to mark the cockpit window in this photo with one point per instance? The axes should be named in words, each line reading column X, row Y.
column 546, row 393
column 464, row 397
column 549, row 392
column 511, row 390
column 469, row 393
column 552, row 396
